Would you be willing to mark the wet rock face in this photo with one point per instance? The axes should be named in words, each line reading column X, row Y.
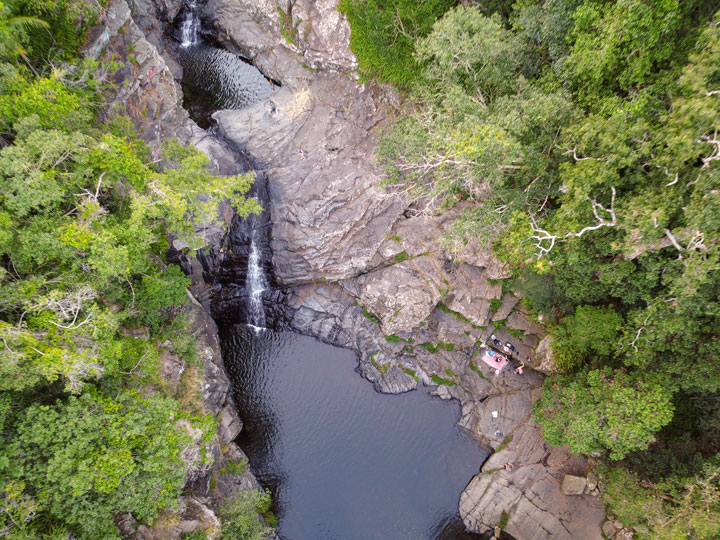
column 357, row 265
column 146, row 90
column 329, row 218
column 251, row 29
column 148, row 94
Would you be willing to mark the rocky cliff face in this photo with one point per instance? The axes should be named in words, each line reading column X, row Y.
column 147, row 92
column 362, row 268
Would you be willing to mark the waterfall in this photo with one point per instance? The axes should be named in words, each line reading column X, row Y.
column 189, row 27
column 217, row 78
column 214, row 78
column 257, row 283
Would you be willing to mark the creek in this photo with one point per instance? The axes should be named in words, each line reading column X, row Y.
column 342, row 461
column 214, row 78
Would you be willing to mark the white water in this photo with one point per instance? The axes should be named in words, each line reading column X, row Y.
column 257, row 283
column 189, row 27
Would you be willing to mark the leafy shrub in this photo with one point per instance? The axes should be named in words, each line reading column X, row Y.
column 159, row 294
column 437, row 379
column 603, row 411
column 240, row 519
column 91, row 457
column 590, row 334
column 402, row 256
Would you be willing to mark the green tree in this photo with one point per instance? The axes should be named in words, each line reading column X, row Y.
column 383, row 35
column 91, row 457
column 14, row 31
column 543, row 27
column 240, row 516
column 619, row 46
column 676, row 507
column 67, row 20
column 602, row 411
column 473, row 51
column 591, row 334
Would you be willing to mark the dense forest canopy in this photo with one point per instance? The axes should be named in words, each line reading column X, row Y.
column 88, row 429
column 582, row 138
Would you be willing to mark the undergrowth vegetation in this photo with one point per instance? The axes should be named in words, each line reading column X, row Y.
column 384, row 34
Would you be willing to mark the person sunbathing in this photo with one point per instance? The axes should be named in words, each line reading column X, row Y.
column 519, row 369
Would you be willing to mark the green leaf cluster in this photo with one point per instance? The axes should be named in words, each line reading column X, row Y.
column 88, row 302
column 240, row 516
column 383, row 35
column 89, row 454
column 598, row 409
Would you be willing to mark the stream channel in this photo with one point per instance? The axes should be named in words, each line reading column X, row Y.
column 342, row 461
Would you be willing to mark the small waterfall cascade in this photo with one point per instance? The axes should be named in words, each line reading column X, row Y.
column 257, row 284
column 190, row 26
column 213, row 78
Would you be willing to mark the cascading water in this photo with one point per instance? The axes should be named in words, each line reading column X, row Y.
column 257, row 284
column 213, row 78
column 189, row 27
column 351, row 458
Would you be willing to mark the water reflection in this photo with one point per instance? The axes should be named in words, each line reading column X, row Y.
column 344, row 462
column 222, row 77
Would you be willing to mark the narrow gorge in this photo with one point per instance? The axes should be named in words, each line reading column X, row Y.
column 340, row 274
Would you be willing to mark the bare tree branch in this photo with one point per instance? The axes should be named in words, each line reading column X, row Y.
column 545, row 242
column 673, row 240
column 541, row 237
column 716, row 151
column 575, row 156
column 637, row 335
column 601, row 222
column 697, row 242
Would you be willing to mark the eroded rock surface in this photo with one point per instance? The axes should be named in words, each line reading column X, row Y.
column 524, row 480
column 261, row 29
column 329, row 217
column 148, row 94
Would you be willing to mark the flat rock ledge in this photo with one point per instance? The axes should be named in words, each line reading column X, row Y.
column 521, row 484
column 367, row 272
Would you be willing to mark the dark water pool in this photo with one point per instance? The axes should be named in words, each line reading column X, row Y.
column 215, row 79
column 344, row 462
